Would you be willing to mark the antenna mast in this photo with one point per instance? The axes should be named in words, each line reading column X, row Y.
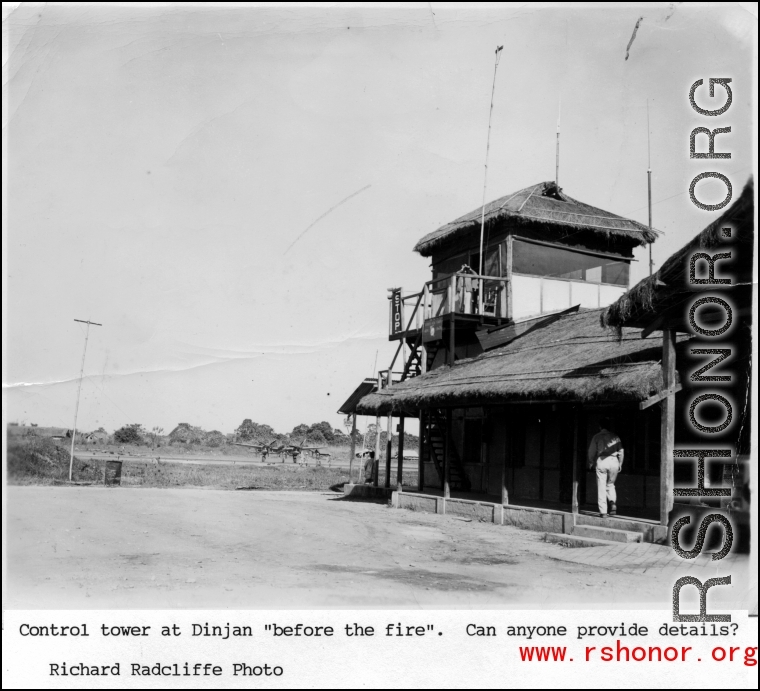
column 556, row 163
column 79, row 391
column 488, row 147
column 649, row 189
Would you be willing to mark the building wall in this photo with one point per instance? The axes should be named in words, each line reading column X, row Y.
column 538, row 443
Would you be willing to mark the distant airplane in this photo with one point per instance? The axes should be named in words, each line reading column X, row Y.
column 296, row 450
column 264, row 448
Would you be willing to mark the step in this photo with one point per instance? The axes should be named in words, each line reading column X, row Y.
column 611, row 534
column 653, row 532
column 575, row 541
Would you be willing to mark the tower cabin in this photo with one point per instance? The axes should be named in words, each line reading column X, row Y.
column 544, row 252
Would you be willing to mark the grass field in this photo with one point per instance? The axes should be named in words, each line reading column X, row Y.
column 40, row 461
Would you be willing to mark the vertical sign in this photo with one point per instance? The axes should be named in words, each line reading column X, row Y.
column 397, row 316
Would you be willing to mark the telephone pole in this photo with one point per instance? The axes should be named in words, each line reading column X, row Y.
column 79, row 391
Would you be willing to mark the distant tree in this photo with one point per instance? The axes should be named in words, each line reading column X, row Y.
column 155, row 433
column 300, row 431
column 215, row 438
column 246, row 430
column 369, row 437
column 251, row 431
column 185, row 433
column 129, row 434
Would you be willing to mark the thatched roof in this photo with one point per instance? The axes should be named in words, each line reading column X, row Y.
column 570, row 359
column 367, row 386
column 548, row 205
column 667, row 290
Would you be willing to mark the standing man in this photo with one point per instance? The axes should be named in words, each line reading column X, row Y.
column 605, row 454
column 369, row 467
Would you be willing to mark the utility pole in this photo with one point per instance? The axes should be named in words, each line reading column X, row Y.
column 79, row 392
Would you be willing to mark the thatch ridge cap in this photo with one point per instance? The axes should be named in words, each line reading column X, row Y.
column 500, row 208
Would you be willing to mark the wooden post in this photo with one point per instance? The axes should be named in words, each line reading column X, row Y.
column 400, row 448
column 576, row 423
column 504, row 493
column 446, row 457
column 421, row 452
column 667, row 424
column 388, row 442
column 480, row 297
column 376, row 463
column 510, row 291
column 353, row 451
column 452, row 340
column 452, row 318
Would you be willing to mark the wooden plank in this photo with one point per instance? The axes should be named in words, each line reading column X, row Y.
column 656, row 325
column 658, row 397
column 667, row 424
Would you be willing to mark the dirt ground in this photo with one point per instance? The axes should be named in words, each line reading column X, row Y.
column 125, row 548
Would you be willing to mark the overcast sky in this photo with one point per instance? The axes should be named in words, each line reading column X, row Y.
column 161, row 162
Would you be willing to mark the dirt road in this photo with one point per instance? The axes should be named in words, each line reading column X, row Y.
column 87, row 547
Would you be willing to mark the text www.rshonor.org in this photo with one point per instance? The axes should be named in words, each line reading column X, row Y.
column 651, row 653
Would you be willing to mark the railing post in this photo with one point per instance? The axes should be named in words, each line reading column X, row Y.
column 453, row 293
column 480, row 297
column 425, row 300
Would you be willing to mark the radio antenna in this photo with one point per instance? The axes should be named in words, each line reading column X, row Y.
column 488, row 147
column 649, row 188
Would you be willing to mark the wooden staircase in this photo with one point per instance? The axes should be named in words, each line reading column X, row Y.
column 413, row 365
column 436, row 442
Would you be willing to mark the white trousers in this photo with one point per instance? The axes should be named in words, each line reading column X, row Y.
column 607, row 470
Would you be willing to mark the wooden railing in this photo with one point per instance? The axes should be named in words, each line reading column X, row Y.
column 459, row 293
